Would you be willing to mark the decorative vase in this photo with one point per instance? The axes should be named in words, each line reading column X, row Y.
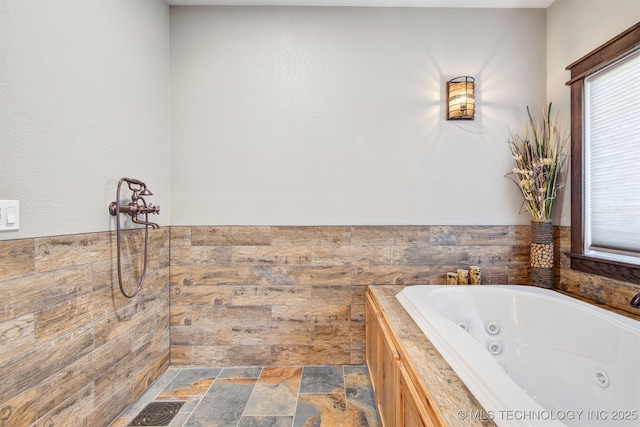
column 542, row 254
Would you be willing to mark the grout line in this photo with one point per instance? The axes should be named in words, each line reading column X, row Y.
column 295, row 410
column 344, row 389
column 250, row 395
column 202, row 396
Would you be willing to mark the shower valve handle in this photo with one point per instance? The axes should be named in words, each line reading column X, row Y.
column 133, row 209
column 154, row 209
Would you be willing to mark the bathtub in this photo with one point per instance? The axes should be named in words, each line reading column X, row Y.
column 533, row 356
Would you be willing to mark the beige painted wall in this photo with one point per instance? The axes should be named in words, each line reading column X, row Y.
column 305, row 116
column 279, row 115
column 83, row 102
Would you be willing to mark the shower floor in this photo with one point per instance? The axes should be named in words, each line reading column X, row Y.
column 293, row 396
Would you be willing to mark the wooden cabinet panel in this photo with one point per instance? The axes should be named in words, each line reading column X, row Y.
column 382, row 361
column 371, row 343
column 399, row 402
column 387, row 378
column 411, row 411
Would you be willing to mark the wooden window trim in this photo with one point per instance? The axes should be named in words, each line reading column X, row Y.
column 622, row 44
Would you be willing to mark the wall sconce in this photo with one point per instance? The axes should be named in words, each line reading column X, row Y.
column 461, row 98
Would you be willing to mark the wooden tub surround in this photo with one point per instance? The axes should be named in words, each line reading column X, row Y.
column 413, row 384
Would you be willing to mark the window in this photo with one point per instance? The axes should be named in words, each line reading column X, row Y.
column 605, row 159
column 611, row 160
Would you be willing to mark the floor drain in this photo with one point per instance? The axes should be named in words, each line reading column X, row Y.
column 157, row 414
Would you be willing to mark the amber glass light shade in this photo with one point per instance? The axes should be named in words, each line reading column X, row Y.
column 461, row 98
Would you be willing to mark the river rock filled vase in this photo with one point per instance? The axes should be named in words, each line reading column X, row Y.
column 542, row 254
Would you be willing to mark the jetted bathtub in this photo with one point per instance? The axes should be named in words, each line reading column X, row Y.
column 533, row 356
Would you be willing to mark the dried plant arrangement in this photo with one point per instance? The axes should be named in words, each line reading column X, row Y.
column 539, row 155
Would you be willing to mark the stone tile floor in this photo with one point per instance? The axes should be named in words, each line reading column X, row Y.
column 294, row 396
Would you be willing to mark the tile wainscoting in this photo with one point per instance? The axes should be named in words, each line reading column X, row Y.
column 73, row 351
column 615, row 294
column 295, row 295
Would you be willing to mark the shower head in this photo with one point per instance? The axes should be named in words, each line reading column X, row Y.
column 133, row 181
column 138, row 187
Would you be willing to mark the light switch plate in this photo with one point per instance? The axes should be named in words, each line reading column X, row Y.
column 9, row 215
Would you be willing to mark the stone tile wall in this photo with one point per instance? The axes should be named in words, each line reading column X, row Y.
column 73, row 350
column 601, row 290
column 295, row 295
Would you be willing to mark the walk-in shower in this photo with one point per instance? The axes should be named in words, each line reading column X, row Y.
column 135, row 209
